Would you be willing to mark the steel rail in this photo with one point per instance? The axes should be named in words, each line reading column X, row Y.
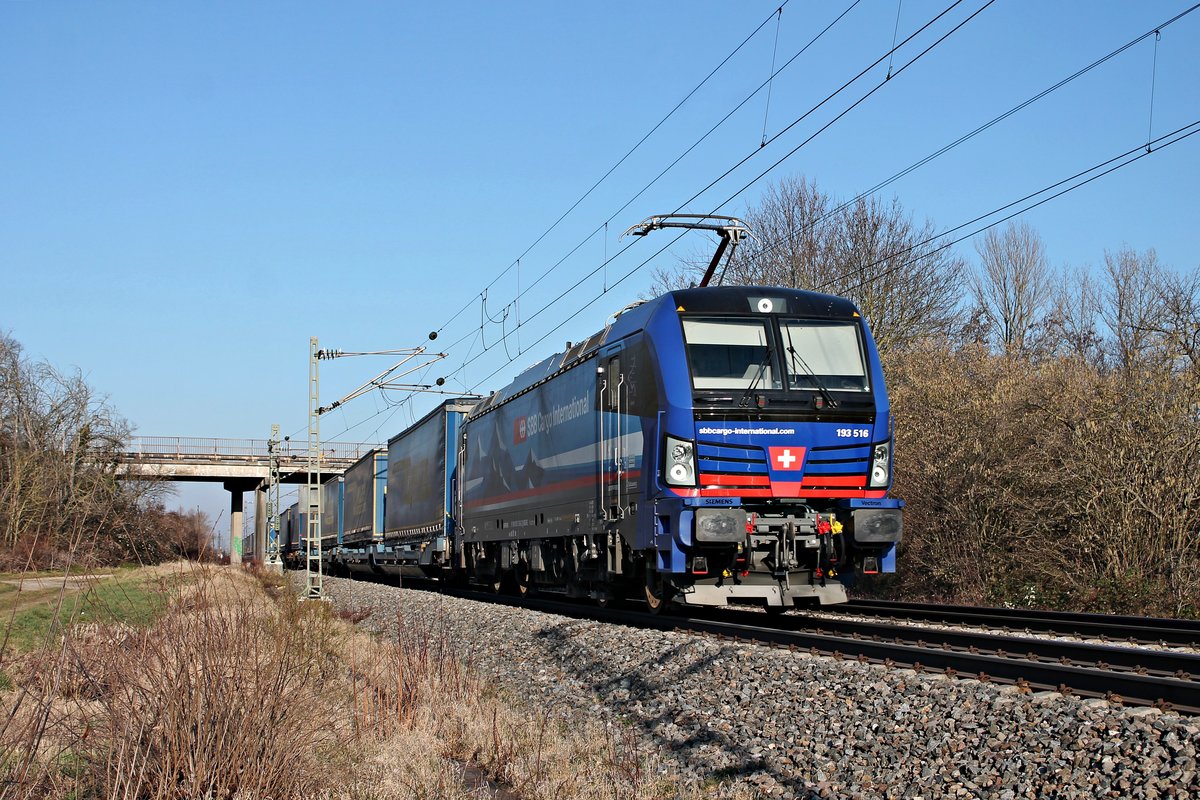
column 1156, row 630
column 1165, row 663
column 1179, row 694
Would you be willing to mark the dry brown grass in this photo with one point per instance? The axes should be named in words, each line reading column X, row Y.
column 241, row 691
column 197, row 704
column 438, row 731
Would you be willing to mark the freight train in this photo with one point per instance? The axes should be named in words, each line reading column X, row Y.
column 712, row 446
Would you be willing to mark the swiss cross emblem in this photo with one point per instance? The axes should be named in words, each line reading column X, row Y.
column 787, row 458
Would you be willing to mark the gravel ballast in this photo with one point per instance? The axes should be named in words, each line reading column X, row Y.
column 789, row 724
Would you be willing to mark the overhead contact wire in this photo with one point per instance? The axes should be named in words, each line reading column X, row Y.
column 623, row 158
column 970, row 135
column 1108, row 167
column 752, row 154
column 829, row 97
column 1162, row 142
column 684, row 154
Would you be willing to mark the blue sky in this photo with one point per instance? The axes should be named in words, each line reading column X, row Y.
column 189, row 191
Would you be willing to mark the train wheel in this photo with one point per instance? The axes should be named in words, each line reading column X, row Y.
column 657, row 600
column 522, row 585
column 612, row 601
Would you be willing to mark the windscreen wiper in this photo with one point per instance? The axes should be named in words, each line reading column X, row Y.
column 758, row 375
column 797, row 359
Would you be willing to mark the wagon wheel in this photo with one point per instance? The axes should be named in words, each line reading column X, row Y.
column 612, row 601
column 522, row 586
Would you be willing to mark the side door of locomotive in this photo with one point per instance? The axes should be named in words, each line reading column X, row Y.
column 613, row 417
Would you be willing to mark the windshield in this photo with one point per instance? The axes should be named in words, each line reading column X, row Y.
column 730, row 353
column 823, row 355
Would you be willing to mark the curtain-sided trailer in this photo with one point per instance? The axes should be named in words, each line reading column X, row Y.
column 417, row 477
column 364, row 493
column 291, row 536
column 332, row 492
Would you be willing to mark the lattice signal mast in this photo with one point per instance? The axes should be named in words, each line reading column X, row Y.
column 273, row 560
column 314, row 585
column 314, row 588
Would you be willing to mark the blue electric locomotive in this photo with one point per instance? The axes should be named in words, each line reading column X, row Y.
column 711, row 446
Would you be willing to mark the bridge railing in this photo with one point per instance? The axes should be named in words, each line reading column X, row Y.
column 189, row 447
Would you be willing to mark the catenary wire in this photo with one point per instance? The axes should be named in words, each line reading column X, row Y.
column 750, row 96
column 1141, row 152
column 603, row 226
column 622, row 160
column 895, row 177
column 971, row 134
column 734, row 110
column 503, row 312
column 1106, row 167
column 832, row 95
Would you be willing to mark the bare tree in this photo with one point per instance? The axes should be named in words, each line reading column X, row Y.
column 789, row 246
column 1047, row 481
column 1178, row 321
column 1133, row 305
column 60, row 495
column 901, row 278
column 1013, row 283
column 1071, row 326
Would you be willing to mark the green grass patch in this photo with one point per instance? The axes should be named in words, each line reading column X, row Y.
column 78, row 570
column 36, row 616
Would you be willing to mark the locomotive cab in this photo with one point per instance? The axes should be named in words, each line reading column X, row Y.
column 775, row 452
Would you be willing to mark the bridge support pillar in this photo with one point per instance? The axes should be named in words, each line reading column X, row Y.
column 260, row 523
column 236, row 489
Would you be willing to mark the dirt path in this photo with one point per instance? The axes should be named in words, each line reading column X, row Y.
column 32, row 592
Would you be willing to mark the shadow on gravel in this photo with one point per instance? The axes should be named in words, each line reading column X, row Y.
column 652, row 704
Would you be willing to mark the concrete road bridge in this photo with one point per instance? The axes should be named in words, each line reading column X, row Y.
column 241, row 465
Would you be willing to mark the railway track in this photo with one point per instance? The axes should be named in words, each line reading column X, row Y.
column 1141, row 630
column 1125, row 675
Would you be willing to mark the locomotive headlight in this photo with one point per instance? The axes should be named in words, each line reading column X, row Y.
column 680, row 466
column 879, row 464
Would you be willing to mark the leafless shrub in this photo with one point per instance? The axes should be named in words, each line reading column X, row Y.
column 235, row 695
column 1065, row 472
column 354, row 615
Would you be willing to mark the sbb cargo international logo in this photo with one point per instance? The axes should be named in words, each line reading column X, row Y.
column 544, row 422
